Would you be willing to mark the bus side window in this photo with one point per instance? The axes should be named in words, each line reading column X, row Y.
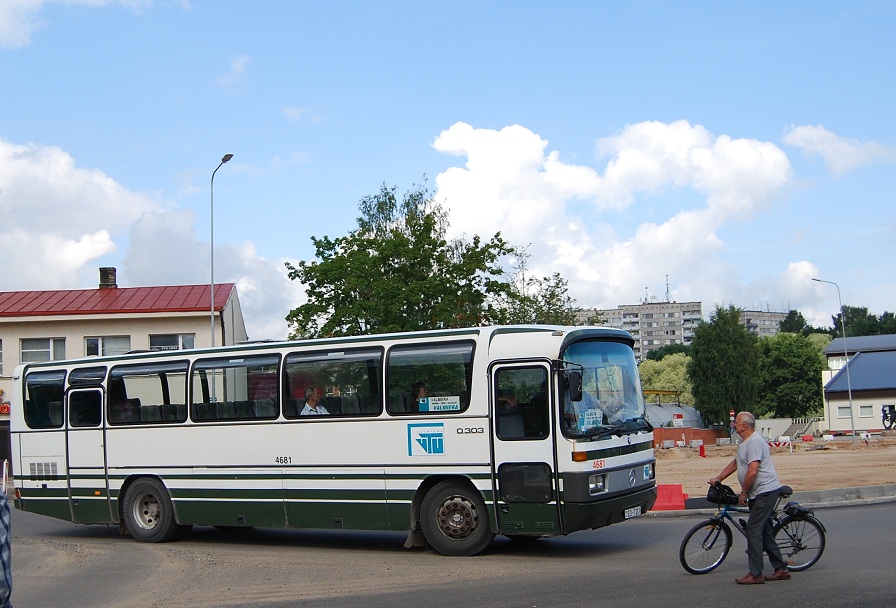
column 520, row 403
column 150, row 393
column 443, row 369
column 43, row 399
column 348, row 379
column 84, row 408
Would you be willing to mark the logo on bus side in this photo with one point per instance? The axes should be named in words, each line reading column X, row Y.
column 426, row 439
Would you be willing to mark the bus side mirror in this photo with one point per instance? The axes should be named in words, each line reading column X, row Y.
column 574, row 385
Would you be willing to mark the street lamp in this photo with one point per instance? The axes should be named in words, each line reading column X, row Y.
column 224, row 159
column 845, row 355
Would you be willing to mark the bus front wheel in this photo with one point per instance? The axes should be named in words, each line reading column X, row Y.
column 147, row 512
column 454, row 519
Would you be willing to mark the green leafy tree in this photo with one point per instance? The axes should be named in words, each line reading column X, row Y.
column 536, row 300
column 724, row 367
column 859, row 322
column 819, row 341
column 887, row 322
column 668, row 374
column 658, row 354
column 794, row 322
column 397, row 271
column 790, row 377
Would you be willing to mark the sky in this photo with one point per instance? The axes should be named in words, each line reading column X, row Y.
column 732, row 151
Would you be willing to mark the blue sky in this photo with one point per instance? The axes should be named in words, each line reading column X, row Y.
column 738, row 148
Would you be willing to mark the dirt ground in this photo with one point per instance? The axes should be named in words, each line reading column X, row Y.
column 810, row 467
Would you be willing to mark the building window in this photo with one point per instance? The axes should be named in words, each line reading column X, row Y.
column 172, row 341
column 107, row 345
column 866, row 411
column 843, row 411
column 42, row 349
column 1, row 357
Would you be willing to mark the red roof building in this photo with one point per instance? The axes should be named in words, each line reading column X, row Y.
column 69, row 324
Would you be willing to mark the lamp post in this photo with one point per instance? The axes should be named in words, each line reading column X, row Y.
column 845, row 355
column 224, row 159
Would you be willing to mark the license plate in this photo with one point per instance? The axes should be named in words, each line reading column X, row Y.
column 633, row 512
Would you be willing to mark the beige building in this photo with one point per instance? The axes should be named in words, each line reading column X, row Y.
column 652, row 324
column 70, row 324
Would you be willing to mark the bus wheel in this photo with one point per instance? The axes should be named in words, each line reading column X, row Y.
column 147, row 512
column 454, row 520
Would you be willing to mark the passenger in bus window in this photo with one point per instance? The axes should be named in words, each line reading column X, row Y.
column 313, row 396
column 419, row 391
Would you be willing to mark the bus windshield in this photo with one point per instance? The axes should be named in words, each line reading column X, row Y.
column 612, row 403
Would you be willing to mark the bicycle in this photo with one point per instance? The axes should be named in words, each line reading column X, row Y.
column 800, row 536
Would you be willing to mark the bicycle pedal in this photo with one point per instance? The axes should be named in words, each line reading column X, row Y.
column 743, row 523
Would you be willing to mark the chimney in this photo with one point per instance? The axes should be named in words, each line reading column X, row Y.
column 107, row 278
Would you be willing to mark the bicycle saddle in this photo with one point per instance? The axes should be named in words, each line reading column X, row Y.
column 785, row 491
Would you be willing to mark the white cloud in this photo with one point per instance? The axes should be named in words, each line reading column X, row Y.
column 57, row 217
column 164, row 250
column 296, row 114
column 236, row 71
column 840, row 154
column 510, row 183
column 60, row 219
column 20, row 18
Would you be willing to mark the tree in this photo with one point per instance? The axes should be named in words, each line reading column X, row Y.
column 859, row 322
column 658, row 354
column 794, row 322
column 397, row 271
column 724, row 366
column 536, row 300
column 790, row 377
column 668, row 374
column 887, row 323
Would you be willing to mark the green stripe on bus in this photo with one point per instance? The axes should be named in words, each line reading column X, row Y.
column 618, row 451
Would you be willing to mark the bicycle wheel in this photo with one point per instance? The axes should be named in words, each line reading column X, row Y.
column 705, row 546
column 801, row 542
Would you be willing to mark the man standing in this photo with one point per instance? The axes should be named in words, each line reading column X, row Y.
column 759, row 488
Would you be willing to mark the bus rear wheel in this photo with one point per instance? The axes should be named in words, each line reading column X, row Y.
column 147, row 512
column 454, row 520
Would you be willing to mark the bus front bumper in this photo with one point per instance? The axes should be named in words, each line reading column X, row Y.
column 592, row 515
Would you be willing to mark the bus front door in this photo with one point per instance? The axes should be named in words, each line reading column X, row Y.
column 88, row 484
column 524, row 466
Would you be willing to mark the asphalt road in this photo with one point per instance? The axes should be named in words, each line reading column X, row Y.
column 58, row 564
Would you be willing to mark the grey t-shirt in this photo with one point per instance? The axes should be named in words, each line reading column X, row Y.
column 752, row 449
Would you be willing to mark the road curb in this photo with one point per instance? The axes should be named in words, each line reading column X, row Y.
column 816, row 499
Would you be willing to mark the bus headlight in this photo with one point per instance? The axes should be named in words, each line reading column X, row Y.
column 597, row 483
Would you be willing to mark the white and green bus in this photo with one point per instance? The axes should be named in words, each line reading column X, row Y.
column 453, row 436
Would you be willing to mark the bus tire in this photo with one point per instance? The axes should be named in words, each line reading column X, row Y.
column 147, row 512
column 454, row 519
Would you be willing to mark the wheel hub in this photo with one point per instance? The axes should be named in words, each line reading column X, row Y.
column 458, row 517
column 147, row 511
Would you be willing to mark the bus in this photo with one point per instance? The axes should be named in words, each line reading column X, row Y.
column 453, row 436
